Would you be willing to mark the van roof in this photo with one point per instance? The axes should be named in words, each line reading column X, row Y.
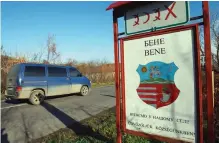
column 35, row 64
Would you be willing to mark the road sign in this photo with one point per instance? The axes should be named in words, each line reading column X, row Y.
column 156, row 16
column 160, row 84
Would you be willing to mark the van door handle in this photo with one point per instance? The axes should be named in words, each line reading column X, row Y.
column 67, row 78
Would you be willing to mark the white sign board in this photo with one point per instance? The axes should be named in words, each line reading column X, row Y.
column 159, row 80
column 156, row 15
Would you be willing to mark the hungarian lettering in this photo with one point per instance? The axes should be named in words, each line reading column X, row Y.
column 137, row 19
column 170, row 119
column 163, row 118
column 157, row 16
column 175, row 130
column 139, row 115
column 182, row 121
column 167, row 129
column 157, row 10
column 139, row 124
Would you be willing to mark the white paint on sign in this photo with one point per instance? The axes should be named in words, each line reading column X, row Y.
column 156, row 15
column 160, row 85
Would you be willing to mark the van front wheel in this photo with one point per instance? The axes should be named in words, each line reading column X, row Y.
column 36, row 97
column 84, row 90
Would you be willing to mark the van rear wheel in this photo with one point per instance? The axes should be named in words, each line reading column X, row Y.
column 84, row 90
column 36, row 97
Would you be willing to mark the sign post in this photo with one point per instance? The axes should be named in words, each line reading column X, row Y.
column 161, row 72
column 117, row 82
column 208, row 68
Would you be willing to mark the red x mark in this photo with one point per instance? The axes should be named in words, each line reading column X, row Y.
column 148, row 17
column 137, row 20
column 170, row 10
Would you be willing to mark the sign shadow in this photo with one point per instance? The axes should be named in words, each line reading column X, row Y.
column 75, row 126
column 4, row 137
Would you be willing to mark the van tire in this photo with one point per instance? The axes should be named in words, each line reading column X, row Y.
column 84, row 90
column 36, row 97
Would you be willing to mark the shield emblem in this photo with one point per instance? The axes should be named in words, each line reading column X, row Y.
column 157, row 87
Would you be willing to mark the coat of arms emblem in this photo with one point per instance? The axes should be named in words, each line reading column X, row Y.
column 157, row 87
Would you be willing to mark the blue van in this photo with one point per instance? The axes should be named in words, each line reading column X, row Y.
column 37, row 81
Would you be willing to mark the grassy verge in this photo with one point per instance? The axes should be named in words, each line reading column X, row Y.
column 101, row 84
column 103, row 128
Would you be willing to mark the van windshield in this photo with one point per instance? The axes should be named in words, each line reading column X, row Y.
column 14, row 71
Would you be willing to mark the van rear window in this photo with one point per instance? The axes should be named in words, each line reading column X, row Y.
column 34, row 71
column 14, row 71
column 57, row 72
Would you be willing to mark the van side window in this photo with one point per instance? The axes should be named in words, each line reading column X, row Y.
column 57, row 72
column 74, row 72
column 34, row 71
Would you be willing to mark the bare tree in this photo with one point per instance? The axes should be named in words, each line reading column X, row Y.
column 4, row 67
column 2, row 50
column 52, row 54
column 4, row 60
column 215, row 36
column 47, row 54
column 71, row 62
column 38, row 57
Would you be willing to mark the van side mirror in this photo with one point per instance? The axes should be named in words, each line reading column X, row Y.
column 80, row 75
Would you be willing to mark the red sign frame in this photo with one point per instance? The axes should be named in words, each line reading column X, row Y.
column 118, row 11
column 198, row 82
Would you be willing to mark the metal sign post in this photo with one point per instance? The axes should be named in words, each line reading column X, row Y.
column 208, row 61
column 151, row 86
column 117, row 82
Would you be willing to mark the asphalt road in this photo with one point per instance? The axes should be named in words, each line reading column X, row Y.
column 22, row 122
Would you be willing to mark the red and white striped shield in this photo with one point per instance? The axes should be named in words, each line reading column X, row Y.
column 158, row 95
